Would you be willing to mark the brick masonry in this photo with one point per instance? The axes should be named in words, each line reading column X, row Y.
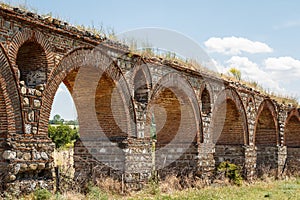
column 198, row 120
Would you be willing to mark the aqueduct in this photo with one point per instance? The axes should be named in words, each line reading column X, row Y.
column 198, row 120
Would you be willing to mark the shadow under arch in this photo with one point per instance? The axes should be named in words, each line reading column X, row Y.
column 174, row 108
column 229, row 128
column 266, row 138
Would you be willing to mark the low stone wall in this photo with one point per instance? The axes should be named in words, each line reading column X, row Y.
column 30, row 165
column 176, row 159
column 266, row 160
column 293, row 160
column 233, row 153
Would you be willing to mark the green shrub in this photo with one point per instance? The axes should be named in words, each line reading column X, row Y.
column 231, row 171
column 62, row 135
column 42, row 194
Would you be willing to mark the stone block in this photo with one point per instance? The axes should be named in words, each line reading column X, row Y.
column 9, row 155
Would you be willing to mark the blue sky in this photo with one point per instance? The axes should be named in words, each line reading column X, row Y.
column 261, row 38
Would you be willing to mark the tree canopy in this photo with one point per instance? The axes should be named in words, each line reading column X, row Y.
column 62, row 134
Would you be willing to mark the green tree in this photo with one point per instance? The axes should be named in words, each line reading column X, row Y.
column 56, row 120
column 236, row 73
column 62, row 134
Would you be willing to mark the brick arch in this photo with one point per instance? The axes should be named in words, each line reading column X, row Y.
column 229, row 128
column 141, row 78
column 266, row 138
column 292, row 141
column 292, row 129
column 230, row 100
column 97, row 61
column 176, row 112
column 10, row 94
column 266, row 125
column 173, row 80
column 29, row 35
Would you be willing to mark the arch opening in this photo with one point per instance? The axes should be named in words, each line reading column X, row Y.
column 32, row 64
column 266, row 140
column 110, row 109
column 172, row 121
column 292, row 142
column 228, row 134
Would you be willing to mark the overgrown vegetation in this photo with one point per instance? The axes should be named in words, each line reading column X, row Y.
column 231, row 171
column 62, row 135
column 42, row 194
column 270, row 189
column 236, row 73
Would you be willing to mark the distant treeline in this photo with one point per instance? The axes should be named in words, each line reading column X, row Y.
column 58, row 120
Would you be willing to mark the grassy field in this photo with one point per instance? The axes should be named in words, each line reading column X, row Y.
column 288, row 189
column 260, row 190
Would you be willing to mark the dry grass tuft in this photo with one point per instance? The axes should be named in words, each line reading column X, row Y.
column 109, row 185
column 170, row 184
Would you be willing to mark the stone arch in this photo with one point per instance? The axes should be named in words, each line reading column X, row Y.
column 174, row 105
column 266, row 126
column 231, row 99
column 31, row 46
column 266, row 138
column 292, row 140
column 229, row 130
column 96, row 59
column 292, row 129
column 105, row 125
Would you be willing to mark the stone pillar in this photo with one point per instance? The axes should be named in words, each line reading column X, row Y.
column 282, row 158
column 29, row 154
column 140, row 109
column 138, row 163
column 282, row 150
column 206, row 150
column 250, row 162
column 206, row 162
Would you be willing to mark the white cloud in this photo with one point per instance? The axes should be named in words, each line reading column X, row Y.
column 283, row 68
column 252, row 71
column 236, row 45
column 282, row 63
